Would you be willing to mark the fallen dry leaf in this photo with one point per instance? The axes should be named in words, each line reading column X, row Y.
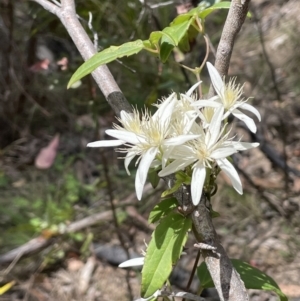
column 46, row 156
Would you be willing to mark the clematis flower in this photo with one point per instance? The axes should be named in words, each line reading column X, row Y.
column 230, row 97
column 212, row 147
column 145, row 137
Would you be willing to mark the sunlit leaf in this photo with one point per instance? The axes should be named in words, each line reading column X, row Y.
column 209, row 10
column 155, row 37
column 162, row 209
column 252, row 277
column 163, row 251
column 176, row 32
column 106, row 56
column 171, row 190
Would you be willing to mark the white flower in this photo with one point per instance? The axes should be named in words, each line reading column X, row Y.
column 230, row 97
column 145, row 137
column 211, row 147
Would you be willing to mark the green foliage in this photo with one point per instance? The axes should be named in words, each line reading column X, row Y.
column 163, row 251
column 104, row 57
column 38, row 205
column 181, row 178
column 162, row 209
column 252, row 277
column 153, row 178
column 160, row 42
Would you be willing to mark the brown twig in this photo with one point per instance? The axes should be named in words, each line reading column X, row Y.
column 104, row 79
column 234, row 21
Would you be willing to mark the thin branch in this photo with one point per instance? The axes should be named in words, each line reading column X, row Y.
column 102, row 75
column 235, row 19
column 50, row 7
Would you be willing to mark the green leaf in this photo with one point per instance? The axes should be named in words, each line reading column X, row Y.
column 169, row 38
column 171, row 190
column 166, row 47
column 155, row 37
column 176, row 32
column 153, row 178
column 163, row 251
column 209, row 10
column 183, row 177
column 106, row 56
column 190, row 14
column 162, row 209
column 253, row 278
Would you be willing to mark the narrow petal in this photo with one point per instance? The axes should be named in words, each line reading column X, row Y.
column 248, row 121
column 198, row 178
column 230, row 171
column 132, row 262
column 126, row 136
column 216, row 79
column 241, row 146
column 215, row 127
column 130, row 155
column 125, row 116
column 142, row 170
column 192, row 89
column 246, row 106
column 176, row 165
column 165, row 109
column 207, row 103
column 180, row 139
column 223, row 152
column 105, row 143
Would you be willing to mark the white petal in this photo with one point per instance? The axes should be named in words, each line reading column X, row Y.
column 207, row 103
column 125, row 116
column 180, row 139
column 215, row 127
column 105, row 143
column 132, row 262
column 241, row 146
column 176, row 165
column 223, row 152
column 130, row 155
column 230, row 171
column 129, row 137
column 165, row 109
column 216, row 79
column 142, row 170
column 246, row 106
column 249, row 121
column 198, row 178
column 192, row 89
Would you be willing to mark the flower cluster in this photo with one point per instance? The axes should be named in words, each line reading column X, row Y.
column 185, row 133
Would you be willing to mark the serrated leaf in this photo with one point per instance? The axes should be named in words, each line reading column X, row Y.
column 106, row 56
column 162, row 209
column 252, row 277
column 163, row 251
column 209, row 10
